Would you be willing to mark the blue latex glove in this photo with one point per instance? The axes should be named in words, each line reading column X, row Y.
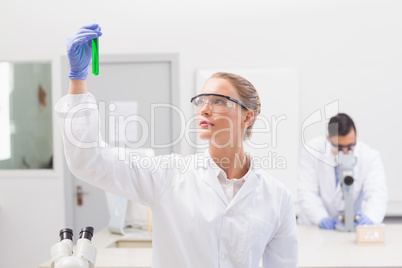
column 328, row 223
column 79, row 50
column 363, row 220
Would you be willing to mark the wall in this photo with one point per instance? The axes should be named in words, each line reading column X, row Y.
column 345, row 50
column 31, row 117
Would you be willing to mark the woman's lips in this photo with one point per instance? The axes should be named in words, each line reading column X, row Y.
column 205, row 123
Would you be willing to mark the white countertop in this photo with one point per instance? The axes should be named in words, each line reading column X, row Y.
column 326, row 248
column 317, row 249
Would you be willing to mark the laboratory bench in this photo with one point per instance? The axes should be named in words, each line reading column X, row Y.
column 317, row 249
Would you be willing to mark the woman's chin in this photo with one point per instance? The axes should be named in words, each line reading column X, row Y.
column 204, row 135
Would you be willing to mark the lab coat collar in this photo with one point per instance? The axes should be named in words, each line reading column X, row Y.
column 357, row 151
column 211, row 178
column 330, row 157
column 251, row 183
column 211, row 175
column 209, row 162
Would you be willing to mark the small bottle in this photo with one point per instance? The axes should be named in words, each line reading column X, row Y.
column 95, row 54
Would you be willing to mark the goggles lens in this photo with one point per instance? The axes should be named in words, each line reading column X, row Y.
column 349, row 147
column 216, row 102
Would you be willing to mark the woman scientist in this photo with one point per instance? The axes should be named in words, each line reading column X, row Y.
column 223, row 212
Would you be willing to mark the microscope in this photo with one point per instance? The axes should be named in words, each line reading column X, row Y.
column 346, row 165
column 62, row 255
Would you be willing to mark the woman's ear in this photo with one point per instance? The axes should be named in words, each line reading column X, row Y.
column 248, row 118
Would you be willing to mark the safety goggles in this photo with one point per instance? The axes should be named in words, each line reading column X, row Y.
column 217, row 103
column 350, row 147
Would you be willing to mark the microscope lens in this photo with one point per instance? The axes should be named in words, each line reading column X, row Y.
column 348, row 180
column 87, row 232
column 66, row 233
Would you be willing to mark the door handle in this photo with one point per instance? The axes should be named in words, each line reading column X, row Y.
column 80, row 193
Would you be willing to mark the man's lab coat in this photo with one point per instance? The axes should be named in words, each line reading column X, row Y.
column 318, row 195
column 193, row 223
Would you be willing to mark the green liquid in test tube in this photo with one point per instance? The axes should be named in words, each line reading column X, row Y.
column 95, row 56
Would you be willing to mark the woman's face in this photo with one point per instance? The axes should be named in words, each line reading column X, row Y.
column 223, row 128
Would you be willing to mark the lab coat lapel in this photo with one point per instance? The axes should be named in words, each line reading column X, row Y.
column 336, row 189
column 211, row 175
column 328, row 178
column 338, row 203
column 356, row 170
column 251, row 183
column 212, row 180
column 331, row 189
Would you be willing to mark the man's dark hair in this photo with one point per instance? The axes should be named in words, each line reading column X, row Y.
column 340, row 125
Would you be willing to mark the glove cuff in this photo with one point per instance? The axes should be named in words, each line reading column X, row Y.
column 79, row 75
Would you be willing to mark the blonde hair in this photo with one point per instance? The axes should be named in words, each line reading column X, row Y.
column 248, row 95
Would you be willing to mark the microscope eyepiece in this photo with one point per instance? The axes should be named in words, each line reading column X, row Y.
column 66, row 233
column 348, row 180
column 87, row 232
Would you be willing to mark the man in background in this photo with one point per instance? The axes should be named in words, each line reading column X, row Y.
column 319, row 190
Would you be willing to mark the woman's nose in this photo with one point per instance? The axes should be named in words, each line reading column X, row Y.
column 206, row 109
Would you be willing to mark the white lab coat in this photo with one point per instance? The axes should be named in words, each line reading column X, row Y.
column 193, row 223
column 319, row 197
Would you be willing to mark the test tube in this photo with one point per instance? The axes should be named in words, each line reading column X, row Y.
column 95, row 56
